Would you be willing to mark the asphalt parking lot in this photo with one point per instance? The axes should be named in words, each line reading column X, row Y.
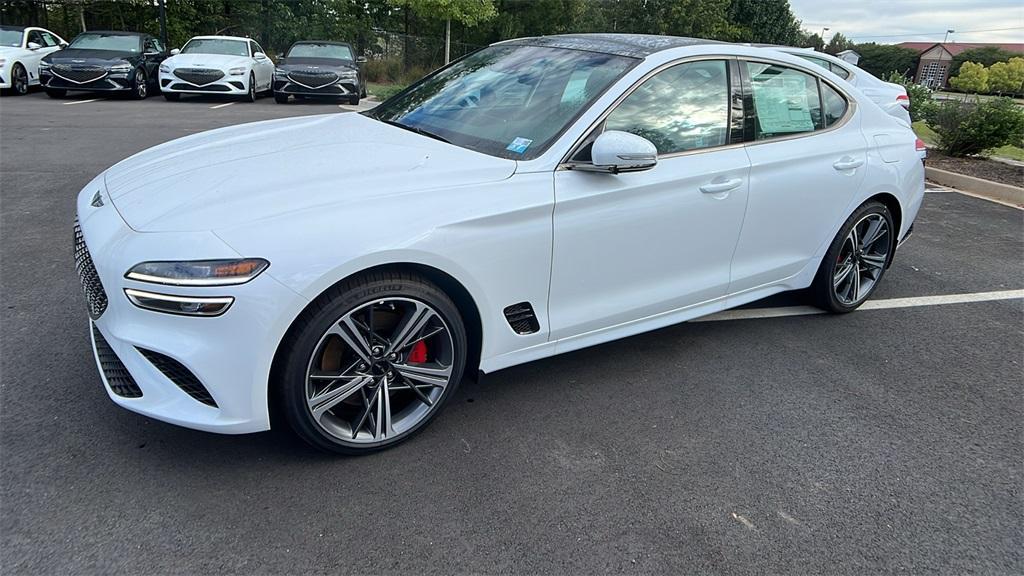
column 887, row 440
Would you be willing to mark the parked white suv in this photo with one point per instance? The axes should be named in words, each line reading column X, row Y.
column 891, row 97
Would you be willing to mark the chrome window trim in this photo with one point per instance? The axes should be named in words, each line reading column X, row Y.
column 134, row 295
column 567, row 164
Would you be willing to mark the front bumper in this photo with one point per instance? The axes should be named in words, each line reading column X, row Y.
column 228, row 85
column 229, row 356
column 108, row 83
column 343, row 88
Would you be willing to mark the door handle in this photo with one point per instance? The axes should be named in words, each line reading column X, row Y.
column 724, row 186
column 847, row 163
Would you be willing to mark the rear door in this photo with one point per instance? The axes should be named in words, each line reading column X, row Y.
column 632, row 245
column 807, row 161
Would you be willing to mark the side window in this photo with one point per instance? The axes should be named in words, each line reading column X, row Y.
column 819, row 61
column 835, row 104
column 252, row 48
column 840, row 71
column 685, row 107
column 786, row 101
column 35, row 36
column 48, row 39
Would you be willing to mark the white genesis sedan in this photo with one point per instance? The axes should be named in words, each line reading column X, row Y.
column 226, row 65
column 345, row 272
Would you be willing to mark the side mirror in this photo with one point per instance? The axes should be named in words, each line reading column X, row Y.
column 280, row 56
column 259, row 56
column 175, row 52
column 360, row 59
column 63, row 45
column 616, row 151
column 34, row 46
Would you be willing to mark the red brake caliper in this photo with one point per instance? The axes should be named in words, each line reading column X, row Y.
column 418, row 354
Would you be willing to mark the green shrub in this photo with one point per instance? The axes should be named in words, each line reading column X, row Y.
column 386, row 91
column 920, row 96
column 393, row 71
column 965, row 128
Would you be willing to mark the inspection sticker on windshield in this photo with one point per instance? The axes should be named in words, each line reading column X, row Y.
column 519, row 145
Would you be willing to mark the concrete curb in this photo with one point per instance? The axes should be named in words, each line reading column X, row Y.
column 976, row 186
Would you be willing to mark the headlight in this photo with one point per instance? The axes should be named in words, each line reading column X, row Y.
column 165, row 68
column 280, row 72
column 4, row 61
column 42, row 65
column 237, row 71
column 122, row 67
column 199, row 272
column 347, row 75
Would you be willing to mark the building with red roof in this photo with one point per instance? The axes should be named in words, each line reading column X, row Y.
column 936, row 57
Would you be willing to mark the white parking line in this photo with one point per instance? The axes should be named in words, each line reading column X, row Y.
column 82, row 101
column 221, row 105
column 753, row 313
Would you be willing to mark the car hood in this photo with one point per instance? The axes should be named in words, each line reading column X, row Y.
column 207, row 61
column 332, row 64
column 94, row 57
column 243, row 174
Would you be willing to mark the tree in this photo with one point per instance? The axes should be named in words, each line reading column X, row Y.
column 881, row 59
column 973, row 77
column 986, row 56
column 838, row 43
column 814, row 41
column 1006, row 77
column 466, row 12
column 764, row 21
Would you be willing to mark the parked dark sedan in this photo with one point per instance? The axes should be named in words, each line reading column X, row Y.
column 314, row 68
column 123, row 62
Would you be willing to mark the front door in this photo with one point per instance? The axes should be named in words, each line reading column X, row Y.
column 632, row 245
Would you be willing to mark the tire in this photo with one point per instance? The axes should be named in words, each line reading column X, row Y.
column 140, row 86
column 19, row 80
column 315, row 344
column 362, row 91
column 281, row 98
column 56, row 92
column 856, row 260
column 251, row 96
column 172, row 96
column 353, row 100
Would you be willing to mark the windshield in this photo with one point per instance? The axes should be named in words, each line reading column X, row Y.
column 216, row 46
column 320, row 51
column 10, row 37
column 117, row 42
column 506, row 101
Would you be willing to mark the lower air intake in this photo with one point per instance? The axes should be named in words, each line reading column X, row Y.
column 118, row 377
column 181, row 376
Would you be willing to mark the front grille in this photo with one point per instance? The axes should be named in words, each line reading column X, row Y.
column 95, row 295
column 118, row 377
column 181, row 376
column 199, row 76
column 79, row 74
column 313, row 78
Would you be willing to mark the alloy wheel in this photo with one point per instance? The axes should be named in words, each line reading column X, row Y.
column 861, row 259
column 140, row 84
column 380, row 370
column 20, row 80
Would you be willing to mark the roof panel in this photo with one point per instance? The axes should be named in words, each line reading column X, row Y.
column 633, row 45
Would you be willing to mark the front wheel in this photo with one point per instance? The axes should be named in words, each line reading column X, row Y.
column 281, row 98
column 140, row 87
column 56, row 92
column 372, row 362
column 19, row 80
column 172, row 96
column 856, row 260
column 251, row 96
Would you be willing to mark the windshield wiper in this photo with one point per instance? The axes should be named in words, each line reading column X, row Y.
column 415, row 129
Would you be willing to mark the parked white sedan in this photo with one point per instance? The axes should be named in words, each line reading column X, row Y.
column 536, row 197
column 21, row 49
column 227, row 65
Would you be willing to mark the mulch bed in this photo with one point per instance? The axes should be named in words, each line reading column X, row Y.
column 979, row 168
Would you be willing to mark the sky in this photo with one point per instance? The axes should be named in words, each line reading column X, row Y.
column 894, row 21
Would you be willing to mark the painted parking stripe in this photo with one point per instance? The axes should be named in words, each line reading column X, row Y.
column 82, row 101
column 781, row 312
column 221, row 105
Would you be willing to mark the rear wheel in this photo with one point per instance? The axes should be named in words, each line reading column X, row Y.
column 56, row 92
column 372, row 362
column 856, row 260
column 19, row 80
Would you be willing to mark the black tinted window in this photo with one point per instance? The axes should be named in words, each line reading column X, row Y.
column 835, row 104
column 786, row 101
column 840, row 71
column 682, row 108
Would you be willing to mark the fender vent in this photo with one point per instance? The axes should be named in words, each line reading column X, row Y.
column 521, row 318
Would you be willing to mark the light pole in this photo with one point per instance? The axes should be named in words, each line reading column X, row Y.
column 948, row 32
